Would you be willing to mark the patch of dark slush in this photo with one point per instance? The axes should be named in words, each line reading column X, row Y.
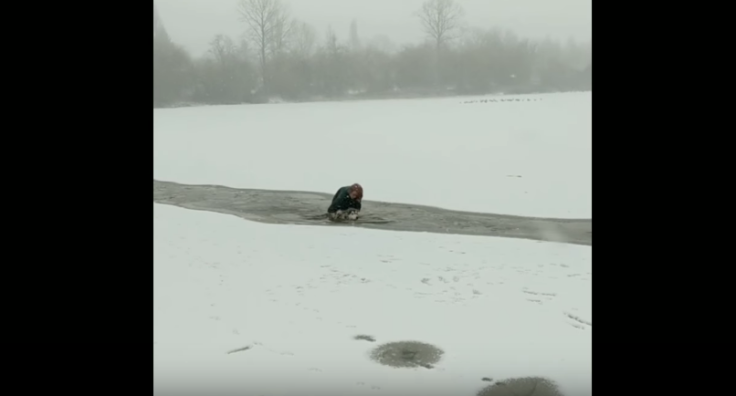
column 527, row 386
column 407, row 354
column 363, row 337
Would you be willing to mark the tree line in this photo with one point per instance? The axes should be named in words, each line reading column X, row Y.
column 282, row 57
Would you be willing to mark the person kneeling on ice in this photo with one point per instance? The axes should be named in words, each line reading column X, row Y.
column 346, row 203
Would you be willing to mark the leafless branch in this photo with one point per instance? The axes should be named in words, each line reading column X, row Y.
column 267, row 23
column 440, row 19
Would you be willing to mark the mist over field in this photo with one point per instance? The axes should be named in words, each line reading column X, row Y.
column 256, row 51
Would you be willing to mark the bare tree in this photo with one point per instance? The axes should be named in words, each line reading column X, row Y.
column 440, row 20
column 354, row 38
column 220, row 48
column 283, row 30
column 331, row 45
column 333, row 65
column 267, row 22
column 304, row 39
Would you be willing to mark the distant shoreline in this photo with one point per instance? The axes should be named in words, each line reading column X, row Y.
column 375, row 97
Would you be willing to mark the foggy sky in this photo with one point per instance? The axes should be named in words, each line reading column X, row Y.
column 193, row 23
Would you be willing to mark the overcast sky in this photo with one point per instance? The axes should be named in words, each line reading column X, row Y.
column 193, row 23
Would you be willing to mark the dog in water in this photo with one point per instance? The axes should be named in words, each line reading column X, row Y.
column 343, row 215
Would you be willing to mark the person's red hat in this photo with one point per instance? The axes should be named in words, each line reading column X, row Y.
column 358, row 189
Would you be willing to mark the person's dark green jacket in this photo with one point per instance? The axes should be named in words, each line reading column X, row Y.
column 342, row 201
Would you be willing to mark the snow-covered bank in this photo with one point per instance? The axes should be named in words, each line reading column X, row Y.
column 526, row 158
column 295, row 296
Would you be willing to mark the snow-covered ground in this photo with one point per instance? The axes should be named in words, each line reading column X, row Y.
column 527, row 158
column 297, row 295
